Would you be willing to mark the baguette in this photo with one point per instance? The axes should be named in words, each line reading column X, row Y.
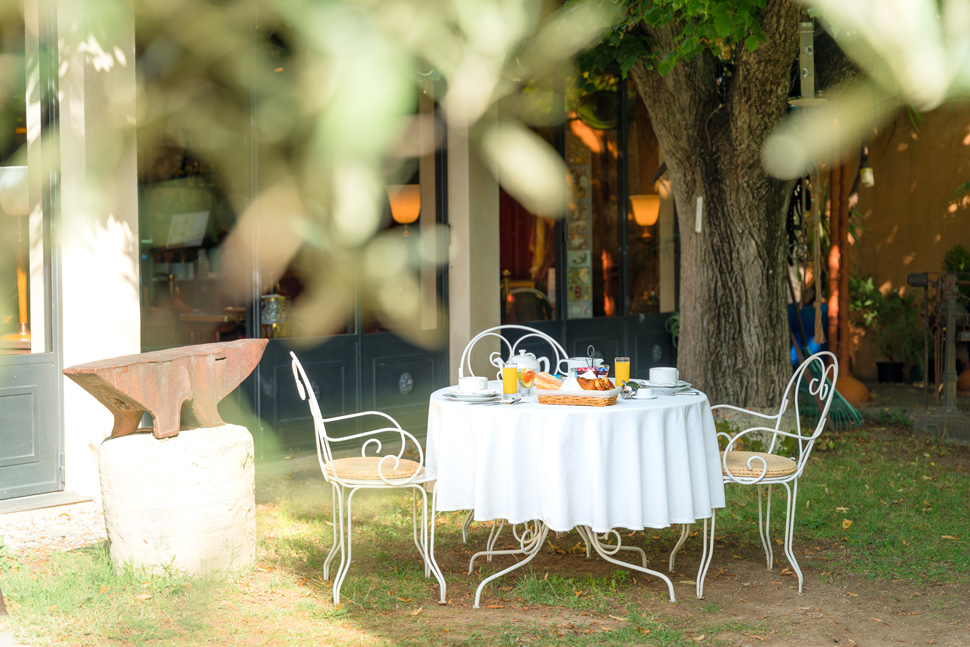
column 547, row 382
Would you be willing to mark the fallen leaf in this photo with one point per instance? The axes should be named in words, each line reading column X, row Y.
column 617, row 618
column 405, row 599
column 841, row 508
column 855, row 595
column 697, row 639
column 947, row 537
column 846, row 524
column 420, row 609
column 495, row 606
column 143, row 596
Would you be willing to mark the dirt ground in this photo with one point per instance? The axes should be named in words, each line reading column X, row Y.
column 744, row 605
column 743, row 592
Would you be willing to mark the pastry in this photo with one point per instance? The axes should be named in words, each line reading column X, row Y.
column 599, row 384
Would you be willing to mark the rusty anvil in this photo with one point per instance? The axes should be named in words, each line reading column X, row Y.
column 180, row 387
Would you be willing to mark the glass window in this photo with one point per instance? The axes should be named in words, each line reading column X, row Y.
column 643, row 219
column 23, row 304
column 592, row 156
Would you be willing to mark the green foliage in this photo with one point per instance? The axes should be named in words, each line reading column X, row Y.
column 711, row 27
column 957, row 259
column 864, row 299
column 892, row 319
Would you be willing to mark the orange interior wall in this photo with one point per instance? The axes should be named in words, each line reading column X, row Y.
column 909, row 217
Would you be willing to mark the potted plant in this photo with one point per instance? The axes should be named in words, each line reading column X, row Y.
column 893, row 323
column 897, row 334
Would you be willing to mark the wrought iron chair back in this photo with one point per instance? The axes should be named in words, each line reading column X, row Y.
column 810, row 388
column 376, row 439
column 813, row 387
column 495, row 358
column 382, row 469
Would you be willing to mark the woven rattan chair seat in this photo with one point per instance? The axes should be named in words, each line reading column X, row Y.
column 362, row 468
column 778, row 466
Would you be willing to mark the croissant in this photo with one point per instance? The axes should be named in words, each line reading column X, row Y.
column 599, row 384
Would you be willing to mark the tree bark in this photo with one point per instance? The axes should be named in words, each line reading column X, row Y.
column 733, row 331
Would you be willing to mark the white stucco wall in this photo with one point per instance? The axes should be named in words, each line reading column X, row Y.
column 474, row 277
column 98, row 233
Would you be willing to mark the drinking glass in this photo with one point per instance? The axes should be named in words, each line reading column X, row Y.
column 621, row 368
column 510, row 382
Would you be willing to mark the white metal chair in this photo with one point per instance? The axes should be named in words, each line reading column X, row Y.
column 811, row 388
column 495, row 359
column 384, row 468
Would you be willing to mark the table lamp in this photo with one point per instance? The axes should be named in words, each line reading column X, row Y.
column 14, row 200
column 405, row 203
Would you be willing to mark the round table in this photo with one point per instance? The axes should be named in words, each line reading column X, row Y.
column 634, row 465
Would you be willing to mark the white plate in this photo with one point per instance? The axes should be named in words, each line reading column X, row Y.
column 478, row 396
column 680, row 386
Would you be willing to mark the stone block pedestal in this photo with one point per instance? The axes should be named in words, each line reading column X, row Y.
column 185, row 502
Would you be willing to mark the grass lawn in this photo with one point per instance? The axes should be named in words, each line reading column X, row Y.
column 882, row 537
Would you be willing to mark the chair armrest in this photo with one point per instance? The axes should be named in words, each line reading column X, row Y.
column 747, row 411
column 375, row 445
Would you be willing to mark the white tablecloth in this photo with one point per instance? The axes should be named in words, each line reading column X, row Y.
column 638, row 464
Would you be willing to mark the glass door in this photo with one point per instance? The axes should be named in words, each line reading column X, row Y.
column 31, row 444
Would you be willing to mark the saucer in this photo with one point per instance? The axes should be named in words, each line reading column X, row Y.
column 471, row 396
column 680, row 386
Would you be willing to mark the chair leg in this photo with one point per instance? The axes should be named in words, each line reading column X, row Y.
column 431, row 560
column 790, row 530
column 763, row 528
column 706, row 556
column 684, row 533
column 345, row 544
column 337, row 535
column 419, row 543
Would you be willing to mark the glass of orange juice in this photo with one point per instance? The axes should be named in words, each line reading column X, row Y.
column 621, row 368
column 510, row 382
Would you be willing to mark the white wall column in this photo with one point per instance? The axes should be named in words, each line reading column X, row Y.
column 98, row 233
column 473, row 268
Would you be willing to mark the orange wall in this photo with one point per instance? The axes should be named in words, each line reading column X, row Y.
column 909, row 217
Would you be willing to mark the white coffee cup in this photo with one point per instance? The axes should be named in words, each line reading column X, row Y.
column 472, row 384
column 644, row 393
column 664, row 376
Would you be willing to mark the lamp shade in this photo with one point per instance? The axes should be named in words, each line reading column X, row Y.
column 646, row 209
column 405, row 202
column 14, row 197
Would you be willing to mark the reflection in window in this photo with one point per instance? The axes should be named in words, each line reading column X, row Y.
column 643, row 221
column 15, row 222
column 592, row 156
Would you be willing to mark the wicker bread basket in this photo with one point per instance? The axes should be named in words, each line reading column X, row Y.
column 579, row 398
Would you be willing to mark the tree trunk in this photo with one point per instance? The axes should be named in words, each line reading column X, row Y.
column 710, row 126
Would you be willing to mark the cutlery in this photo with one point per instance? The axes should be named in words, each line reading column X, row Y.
column 515, row 401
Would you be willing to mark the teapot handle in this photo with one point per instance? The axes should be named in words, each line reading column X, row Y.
column 559, row 368
column 544, row 361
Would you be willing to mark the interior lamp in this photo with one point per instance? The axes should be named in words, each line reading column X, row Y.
column 14, row 200
column 405, row 202
column 646, row 209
